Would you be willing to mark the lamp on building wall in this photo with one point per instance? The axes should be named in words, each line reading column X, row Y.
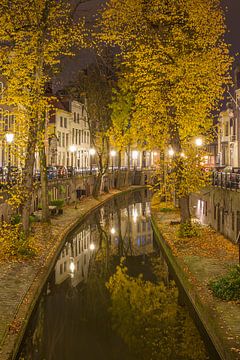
column 113, row 153
column 9, row 138
column 92, row 152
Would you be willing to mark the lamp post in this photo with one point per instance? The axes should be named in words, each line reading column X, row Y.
column 73, row 150
column 113, row 154
column 9, row 139
column 92, row 152
column 134, row 157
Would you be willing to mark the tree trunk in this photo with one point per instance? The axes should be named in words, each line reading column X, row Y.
column 119, row 160
column 28, row 177
column 44, row 184
column 184, row 209
column 97, row 185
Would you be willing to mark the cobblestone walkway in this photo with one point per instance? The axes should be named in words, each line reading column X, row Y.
column 21, row 282
column 197, row 261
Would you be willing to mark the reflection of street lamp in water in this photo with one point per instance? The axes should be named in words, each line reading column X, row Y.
column 9, row 139
column 72, row 267
column 92, row 247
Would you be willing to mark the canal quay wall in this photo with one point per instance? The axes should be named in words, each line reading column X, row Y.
column 219, row 319
column 219, row 208
column 21, row 283
column 65, row 188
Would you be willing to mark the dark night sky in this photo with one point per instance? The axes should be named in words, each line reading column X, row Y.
column 70, row 66
column 233, row 23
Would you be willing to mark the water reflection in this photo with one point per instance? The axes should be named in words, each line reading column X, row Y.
column 116, row 229
column 72, row 319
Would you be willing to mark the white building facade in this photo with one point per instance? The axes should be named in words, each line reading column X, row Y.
column 69, row 135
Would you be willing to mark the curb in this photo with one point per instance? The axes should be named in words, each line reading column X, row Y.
column 203, row 312
column 11, row 342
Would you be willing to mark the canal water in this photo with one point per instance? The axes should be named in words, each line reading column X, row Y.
column 92, row 308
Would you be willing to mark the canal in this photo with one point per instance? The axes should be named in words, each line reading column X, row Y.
column 109, row 295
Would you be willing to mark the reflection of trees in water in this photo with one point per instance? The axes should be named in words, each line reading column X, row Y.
column 148, row 318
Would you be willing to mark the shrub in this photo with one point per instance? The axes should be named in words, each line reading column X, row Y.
column 13, row 242
column 187, row 229
column 227, row 287
column 58, row 203
column 15, row 219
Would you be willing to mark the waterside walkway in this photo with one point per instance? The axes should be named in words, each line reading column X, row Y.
column 21, row 282
column 196, row 261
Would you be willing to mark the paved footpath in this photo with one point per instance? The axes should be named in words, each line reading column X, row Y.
column 21, row 282
column 197, row 261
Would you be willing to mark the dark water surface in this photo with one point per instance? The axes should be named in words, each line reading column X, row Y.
column 72, row 320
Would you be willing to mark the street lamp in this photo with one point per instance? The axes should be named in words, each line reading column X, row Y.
column 113, row 153
column 198, row 141
column 134, row 157
column 92, row 152
column 9, row 138
column 72, row 149
column 170, row 152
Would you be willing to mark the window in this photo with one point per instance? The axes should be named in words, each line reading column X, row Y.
column 61, row 269
column 65, row 122
column 1, row 90
column 1, row 120
column 226, row 129
column 76, row 136
column 6, row 120
column 79, row 137
column 67, row 140
column 78, row 119
column 74, row 117
column 233, row 221
column 215, row 212
column 61, row 121
column 63, row 140
column 73, row 133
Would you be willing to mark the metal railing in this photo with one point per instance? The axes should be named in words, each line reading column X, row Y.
column 226, row 180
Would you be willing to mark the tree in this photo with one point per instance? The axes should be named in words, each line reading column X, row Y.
column 177, row 63
column 34, row 35
column 95, row 83
column 148, row 318
column 122, row 107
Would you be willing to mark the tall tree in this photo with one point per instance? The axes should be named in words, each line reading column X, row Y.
column 95, row 84
column 33, row 35
column 178, row 64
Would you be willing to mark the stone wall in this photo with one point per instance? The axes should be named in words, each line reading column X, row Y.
column 219, row 208
column 66, row 188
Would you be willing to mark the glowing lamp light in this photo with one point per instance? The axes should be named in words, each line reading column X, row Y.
column 135, row 215
column 170, row 152
column 135, row 154
column 182, row 155
column 113, row 153
column 92, row 247
column 9, row 138
column 73, row 148
column 92, row 151
column 113, row 231
column 72, row 267
column 198, row 142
